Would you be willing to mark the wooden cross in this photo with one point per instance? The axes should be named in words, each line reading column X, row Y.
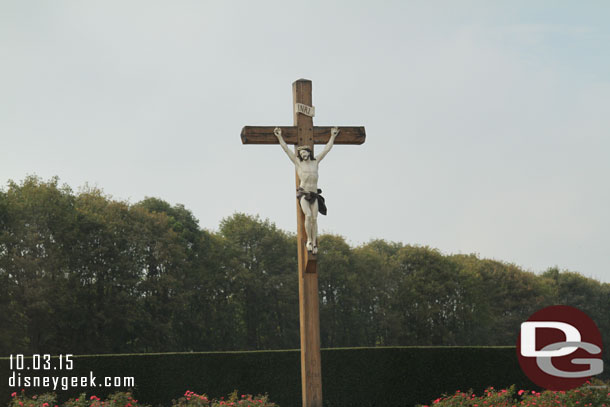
column 304, row 133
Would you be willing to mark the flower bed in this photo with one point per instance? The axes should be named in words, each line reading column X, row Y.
column 589, row 395
column 596, row 395
column 123, row 399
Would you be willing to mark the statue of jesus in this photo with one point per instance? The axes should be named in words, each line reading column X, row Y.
column 308, row 193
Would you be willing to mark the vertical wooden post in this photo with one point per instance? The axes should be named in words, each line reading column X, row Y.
column 311, row 366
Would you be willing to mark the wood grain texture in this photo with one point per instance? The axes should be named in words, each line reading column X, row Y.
column 304, row 133
column 311, row 263
column 311, row 364
column 321, row 135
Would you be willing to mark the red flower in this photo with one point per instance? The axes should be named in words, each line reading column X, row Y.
column 14, row 394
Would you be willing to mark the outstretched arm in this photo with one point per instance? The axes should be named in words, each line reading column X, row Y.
column 333, row 134
column 278, row 133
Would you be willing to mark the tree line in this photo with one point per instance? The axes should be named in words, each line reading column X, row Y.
column 82, row 273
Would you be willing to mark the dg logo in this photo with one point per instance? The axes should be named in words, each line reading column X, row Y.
column 560, row 348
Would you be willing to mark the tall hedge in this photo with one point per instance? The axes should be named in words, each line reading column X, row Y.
column 392, row 376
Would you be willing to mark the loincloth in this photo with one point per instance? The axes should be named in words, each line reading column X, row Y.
column 311, row 197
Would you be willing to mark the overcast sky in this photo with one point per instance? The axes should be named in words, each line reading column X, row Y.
column 488, row 123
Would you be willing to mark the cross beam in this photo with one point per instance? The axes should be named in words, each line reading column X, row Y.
column 264, row 135
column 304, row 133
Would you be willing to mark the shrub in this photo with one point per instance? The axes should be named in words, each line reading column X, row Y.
column 125, row 399
column 192, row 399
column 21, row 400
column 589, row 395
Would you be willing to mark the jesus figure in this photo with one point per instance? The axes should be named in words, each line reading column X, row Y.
column 308, row 193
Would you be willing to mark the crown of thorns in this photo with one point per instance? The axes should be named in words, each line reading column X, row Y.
column 300, row 148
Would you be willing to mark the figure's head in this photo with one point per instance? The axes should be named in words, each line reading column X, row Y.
column 305, row 153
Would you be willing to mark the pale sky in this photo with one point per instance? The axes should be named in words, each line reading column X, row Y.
column 488, row 123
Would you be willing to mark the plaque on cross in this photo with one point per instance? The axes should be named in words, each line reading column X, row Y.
column 304, row 135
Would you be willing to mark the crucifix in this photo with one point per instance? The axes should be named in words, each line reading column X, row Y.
column 304, row 135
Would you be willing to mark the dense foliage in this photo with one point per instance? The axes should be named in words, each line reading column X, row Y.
column 125, row 399
column 83, row 273
column 596, row 395
column 375, row 376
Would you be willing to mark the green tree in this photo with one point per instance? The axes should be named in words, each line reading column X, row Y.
column 261, row 277
column 37, row 223
column 336, row 306
column 83, row 273
column 193, row 286
column 586, row 294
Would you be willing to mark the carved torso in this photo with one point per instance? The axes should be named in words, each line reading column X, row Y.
column 308, row 175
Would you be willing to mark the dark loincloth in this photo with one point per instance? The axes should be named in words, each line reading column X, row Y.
column 311, row 197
